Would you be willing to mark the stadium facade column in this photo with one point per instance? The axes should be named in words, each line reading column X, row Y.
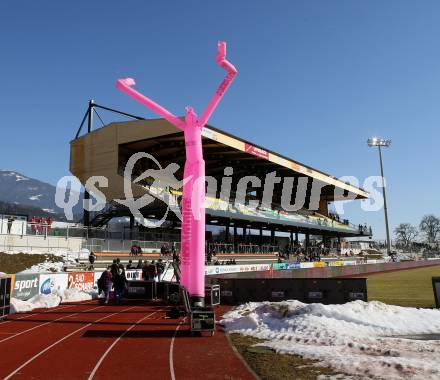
column 307, row 240
column 131, row 226
column 235, row 235
column 86, row 213
column 261, row 235
column 296, row 238
column 291, row 238
column 227, row 231
column 272, row 236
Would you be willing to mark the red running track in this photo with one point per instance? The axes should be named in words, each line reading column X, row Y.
column 90, row 341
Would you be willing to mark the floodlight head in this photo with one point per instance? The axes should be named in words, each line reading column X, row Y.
column 376, row 141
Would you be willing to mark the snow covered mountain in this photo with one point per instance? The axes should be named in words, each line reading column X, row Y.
column 18, row 189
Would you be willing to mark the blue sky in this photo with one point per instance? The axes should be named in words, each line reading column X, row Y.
column 316, row 79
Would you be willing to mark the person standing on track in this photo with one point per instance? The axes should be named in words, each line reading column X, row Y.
column 119, row 284
column 152, row 272
column 160, row 268
column 106, row 283
column 114, row 268
column 139, row 264
column 130, row 265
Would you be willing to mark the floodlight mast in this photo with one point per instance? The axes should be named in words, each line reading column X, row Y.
column 193, row 194
column 375, row 141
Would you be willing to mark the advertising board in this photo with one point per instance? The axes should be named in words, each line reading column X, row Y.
column 25, row 286
column 52, row 283
column 221, row 269
column 82, row 281
column 133, row 274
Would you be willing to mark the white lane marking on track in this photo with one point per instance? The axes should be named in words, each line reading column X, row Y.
column 98, row 364
column 172, row 373
column 46, row 323
column 51, row 310
column 59, row 341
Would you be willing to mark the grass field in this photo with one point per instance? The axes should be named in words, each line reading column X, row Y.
column 269, row 365
column 412, row 287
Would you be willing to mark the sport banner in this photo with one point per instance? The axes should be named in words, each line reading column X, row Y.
column 319, row 264
column 306, row 265
column 81, row 280
column 256, row 151
column 279, row 266
column 293, row 266
column 219, row 269
column 25, row 286
column 336, row 263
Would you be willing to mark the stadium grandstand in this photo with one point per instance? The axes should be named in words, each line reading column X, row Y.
column 239, row 227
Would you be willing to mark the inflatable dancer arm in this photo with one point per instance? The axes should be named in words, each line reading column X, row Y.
column 232, row 72
column 126, row 84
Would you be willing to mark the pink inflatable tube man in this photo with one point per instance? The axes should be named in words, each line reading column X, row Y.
column 193, row 198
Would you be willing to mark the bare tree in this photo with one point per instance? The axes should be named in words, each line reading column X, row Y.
column 430, row 226
column 405, row 234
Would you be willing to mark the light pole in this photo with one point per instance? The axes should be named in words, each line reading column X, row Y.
column 375, row 141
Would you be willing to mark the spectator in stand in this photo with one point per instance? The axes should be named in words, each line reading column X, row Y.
column 130, row 265
column 139, row 250
column 162, row 250
column 92, row 258
column 33, row 222
column 139, row 264
column 10, row 221
column 43, row 226
column 134, row 250
column 105, row 283
column 49, row 224
column 39, row 226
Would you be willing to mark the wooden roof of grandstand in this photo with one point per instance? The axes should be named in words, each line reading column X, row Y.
column 106, row 150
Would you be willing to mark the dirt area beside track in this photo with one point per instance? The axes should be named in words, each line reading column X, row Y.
column 14, row 263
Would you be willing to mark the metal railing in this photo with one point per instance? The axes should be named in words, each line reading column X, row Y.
column 215, row 248
column 112, row 245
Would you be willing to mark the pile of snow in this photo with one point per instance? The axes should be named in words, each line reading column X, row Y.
column 69, row 258
column 46, row 301
column 47, row 266
column 40, row 301
column 357, row 338
column 75, row 295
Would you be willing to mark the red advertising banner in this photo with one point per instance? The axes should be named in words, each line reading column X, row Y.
column 81, row 280
column 256, row 151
